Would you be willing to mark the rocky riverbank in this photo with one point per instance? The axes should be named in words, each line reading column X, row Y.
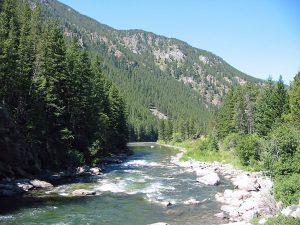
column 251, row 197
column 10, row 187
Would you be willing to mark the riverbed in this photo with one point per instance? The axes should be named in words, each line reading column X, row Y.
column 145, row 189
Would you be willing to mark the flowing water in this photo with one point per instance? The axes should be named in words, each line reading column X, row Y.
column 135, row 192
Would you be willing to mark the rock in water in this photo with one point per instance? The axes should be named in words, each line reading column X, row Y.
column 83, row 192
column 159, row 223
column 40, row 184
column 209, row 179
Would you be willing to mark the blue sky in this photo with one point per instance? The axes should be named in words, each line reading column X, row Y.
column 258, row 37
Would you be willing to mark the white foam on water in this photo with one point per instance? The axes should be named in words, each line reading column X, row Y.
column 6, row 218
column 139, row 163
column 132, row 171
column 117, row 186
column 191, row 201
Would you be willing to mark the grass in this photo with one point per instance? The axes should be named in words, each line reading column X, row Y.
column 194, row 152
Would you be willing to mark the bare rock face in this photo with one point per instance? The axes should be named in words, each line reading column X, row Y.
column 83, row 192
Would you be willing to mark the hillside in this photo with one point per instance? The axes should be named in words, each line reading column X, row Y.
column 152, row 71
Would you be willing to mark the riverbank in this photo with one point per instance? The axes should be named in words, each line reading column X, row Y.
column 251, row 197
column 10, row 187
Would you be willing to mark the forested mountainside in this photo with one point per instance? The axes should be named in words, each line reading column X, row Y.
column 158, row 76
column 57, row 110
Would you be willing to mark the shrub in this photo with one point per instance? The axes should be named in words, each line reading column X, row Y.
column 283, row 151
column 287, row 189
column 282, row 220
column 249, row 149
column 210, row 143
column 231, row 141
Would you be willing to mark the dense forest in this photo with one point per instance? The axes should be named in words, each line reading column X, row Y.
column 260, row 127
column 57, row 109
column 183, row 83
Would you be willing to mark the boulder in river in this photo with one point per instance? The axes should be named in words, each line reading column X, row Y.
column 40, row 184
column 210, row 178
column 159, row 223
column 83, row 192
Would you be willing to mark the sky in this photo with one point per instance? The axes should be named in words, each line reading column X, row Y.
column 258, row 37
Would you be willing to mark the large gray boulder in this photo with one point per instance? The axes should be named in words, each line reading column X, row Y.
column 210, row 178
column 40, row 184
column 246, row 183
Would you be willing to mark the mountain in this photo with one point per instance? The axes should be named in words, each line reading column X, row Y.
column 159, row 77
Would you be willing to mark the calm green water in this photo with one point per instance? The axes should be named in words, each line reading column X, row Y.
column 134, row 193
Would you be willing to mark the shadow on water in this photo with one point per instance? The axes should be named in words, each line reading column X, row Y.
column 13, row 204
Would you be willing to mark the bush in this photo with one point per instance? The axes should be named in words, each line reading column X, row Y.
column 210, row 143
column 249, row 149
column 230, row 142
column 282, row 220
column 287, row 189
column 283, row 151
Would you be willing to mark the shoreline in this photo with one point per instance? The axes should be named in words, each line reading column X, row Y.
column 13, row 187
column 251, row 197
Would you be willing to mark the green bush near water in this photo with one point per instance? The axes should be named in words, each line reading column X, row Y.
column 282, row 220
column 249, row 149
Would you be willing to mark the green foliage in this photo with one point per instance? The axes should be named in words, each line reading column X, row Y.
column 147, row 80
column 282, row 151
column 287, row 188
column 283, row 220
column 249, row 149
column 294, row 100
column 230, row 142
column 60, row 102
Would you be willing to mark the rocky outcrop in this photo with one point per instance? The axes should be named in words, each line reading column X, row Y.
column 21, row 186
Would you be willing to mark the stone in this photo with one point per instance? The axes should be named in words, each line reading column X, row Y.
column 262, row 221
column 159, row 223
column 220, row 215
column 209, row 179
column 95, row 171
column 83, row 192
column 293, row 210
column 40, row 184
column 246, row 183
column 249, row 215
column 248, row 205
column 25, row 186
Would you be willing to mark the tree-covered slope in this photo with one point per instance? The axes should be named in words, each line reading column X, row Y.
column 152, row 71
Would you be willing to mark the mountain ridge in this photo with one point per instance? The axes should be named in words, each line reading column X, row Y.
column 179, row 80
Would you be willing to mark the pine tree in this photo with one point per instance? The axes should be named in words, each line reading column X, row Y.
column 294, row 100
column 265, row 113
column 225, row 121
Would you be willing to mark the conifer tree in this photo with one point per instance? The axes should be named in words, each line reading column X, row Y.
column 294, row 100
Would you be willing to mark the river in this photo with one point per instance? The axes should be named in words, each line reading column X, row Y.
column 135, row 192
